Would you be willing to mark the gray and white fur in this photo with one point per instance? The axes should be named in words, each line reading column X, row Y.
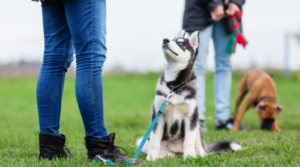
column 177, row 130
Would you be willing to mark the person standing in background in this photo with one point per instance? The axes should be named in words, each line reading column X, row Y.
column 210, row 17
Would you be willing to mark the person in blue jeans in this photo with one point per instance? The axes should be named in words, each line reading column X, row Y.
column 209, row 17
column 74, row 26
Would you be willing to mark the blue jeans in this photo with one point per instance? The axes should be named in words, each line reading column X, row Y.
column 222, row 77
column 69, row 25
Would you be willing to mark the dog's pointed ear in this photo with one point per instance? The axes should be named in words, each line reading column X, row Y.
column 194, row 40
column 261, row 106
column 181, row 33
column 278, row 108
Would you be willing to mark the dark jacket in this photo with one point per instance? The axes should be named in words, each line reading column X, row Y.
column 197, row 13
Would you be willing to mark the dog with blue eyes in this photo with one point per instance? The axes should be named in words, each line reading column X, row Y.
column 177, row 131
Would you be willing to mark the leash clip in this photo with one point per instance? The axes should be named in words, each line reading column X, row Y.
column 100, row 158
column 169, row 95
column 103, row 160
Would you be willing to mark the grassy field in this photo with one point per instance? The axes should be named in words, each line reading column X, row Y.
column 128, row 101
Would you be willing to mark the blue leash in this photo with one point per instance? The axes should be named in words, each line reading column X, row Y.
column 138, row 151
column 161, row 110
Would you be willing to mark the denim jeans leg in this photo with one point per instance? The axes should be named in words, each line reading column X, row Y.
column 58, row 47
column 87, row 23
column 222, row 77
column 200, row 68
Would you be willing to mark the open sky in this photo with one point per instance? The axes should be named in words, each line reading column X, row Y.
column 135, row 30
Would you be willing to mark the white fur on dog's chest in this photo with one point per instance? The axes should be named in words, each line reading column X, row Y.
column 174, row 106
column 174, row 112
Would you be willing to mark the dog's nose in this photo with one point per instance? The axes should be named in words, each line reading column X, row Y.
column 166, row 40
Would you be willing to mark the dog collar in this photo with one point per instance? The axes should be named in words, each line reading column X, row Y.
column 262, row 98
column 177, row 88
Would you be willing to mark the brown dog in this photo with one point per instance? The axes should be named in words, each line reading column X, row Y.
column 262, row 95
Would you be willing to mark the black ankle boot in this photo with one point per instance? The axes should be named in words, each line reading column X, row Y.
column 53, row 146
column 108, row 150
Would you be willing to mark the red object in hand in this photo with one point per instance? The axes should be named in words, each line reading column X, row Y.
column 236, row 36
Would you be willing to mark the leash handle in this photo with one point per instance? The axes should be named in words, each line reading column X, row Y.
column 161, row 110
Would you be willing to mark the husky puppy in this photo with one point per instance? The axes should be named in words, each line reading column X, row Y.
column 177, row 131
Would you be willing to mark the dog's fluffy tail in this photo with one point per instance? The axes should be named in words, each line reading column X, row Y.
column 219, row 147
column 146, row 146
column 222, row 146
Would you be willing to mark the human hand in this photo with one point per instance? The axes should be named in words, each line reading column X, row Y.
column 218, row 13
column 232, row 9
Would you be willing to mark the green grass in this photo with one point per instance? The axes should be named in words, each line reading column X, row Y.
column 128, row 101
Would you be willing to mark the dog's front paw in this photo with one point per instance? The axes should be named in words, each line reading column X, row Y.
column 234, row 128
column 191, row 154
column 202, row 154
column 151, row 158
column 276, row 130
